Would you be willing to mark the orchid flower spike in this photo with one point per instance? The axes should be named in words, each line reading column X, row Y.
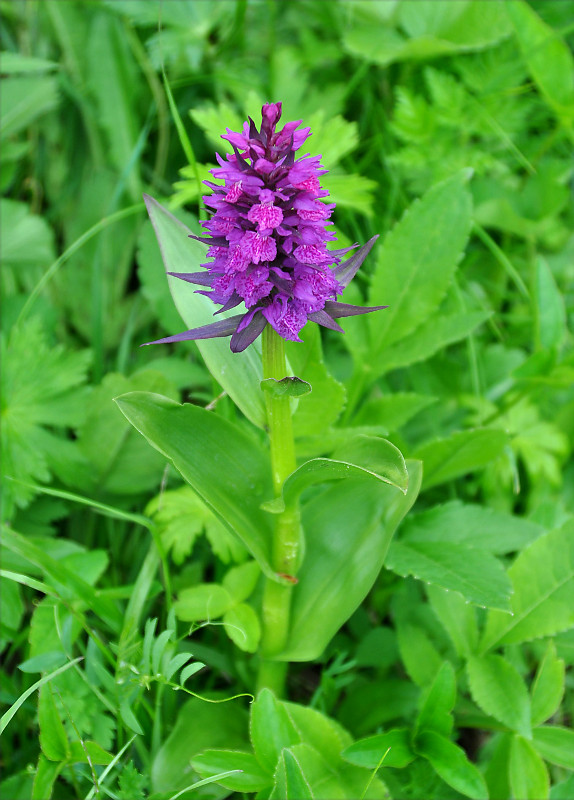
column 267, row 237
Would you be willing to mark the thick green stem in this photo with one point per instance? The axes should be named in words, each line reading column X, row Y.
column 277, row 596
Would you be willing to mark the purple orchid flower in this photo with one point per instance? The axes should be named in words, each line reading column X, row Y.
column 267, row 238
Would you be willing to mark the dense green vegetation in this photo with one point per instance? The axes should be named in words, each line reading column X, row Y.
column 131, row 598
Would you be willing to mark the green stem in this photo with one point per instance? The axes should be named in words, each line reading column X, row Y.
column 286, row 539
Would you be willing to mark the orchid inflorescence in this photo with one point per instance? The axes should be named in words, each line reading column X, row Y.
column 267, row 237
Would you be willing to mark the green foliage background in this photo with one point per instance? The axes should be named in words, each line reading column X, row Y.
column 111, row 564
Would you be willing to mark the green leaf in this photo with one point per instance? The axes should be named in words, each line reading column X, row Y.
column 451, row 763
column 496, row 686
column 130, row 719
column 240, row 581
column 472, row 525
column 477, row 575
column 239, row 374
column 23, row 100
column 200, row 444
column 286, row 387
column 548, row 686
column 392, row 411
column 392, row 747
column 438, row 702
column 527, row 772
column 318, row 730
column 53, row 739
column 460, row 453
column 88, row 752
column 291, row 782
column 199, row 726
column 213, row 762
column 417, row 262
column 44, row 662
column 205, row 601
column 271, row 729
column 543, row 580
column 352, row 524
column 547, row 56
column 433, row 335
column 550, row 312
column 555, row 744
column 46, row 773
column 457, row 617
column 323, row 406
column 18, row 64
column 420, row 657
column 28, row 240
column 361, row 456
column 243, row 627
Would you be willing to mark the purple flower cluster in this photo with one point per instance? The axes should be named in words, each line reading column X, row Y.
column 267, row 237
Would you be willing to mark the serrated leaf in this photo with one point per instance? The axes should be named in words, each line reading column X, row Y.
column 199, row 443
column 451, row 763
column 88, row 752
column 477, row 575
column 555, row 745
column 496, row 686
column 286, row 387
column 527, row 772
column 420, row 657
column 543, row 581
column 473, row 525
column 457, row 617
column 548, row 686
column 460, row 453
column 438, row 702
column 417, row 262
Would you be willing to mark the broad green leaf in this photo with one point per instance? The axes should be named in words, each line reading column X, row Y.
column 438, row 702
column 252, row 777
column 564, row 790
column 130, row 719
column 23, row 100
column 44, row 662
column 543, row 581
column 460, row 453
column 322, row 407
column 527, row 772
column 239, row 374
column 352, row 525
column 473, row 525
column 420, row 657
column 391, row 749
column 243, row 627
column 458, row 618
column 240, row 581
column 271, row 729
column 550, row 313
column 226, row 468
column 555, row 744
column 18, row 64
column 451, row 763
column 433, row 335
column 45, row 777
column 548, row 686
column 547, row 56
column 359, row 457
column 199, row 726
column 205, row 601
column 392, row 411
column 53, row 739
column 477, row 575
column 417, row 262
column 28, row 240
column 496, row 686
column 291, row 783
column 318, row 730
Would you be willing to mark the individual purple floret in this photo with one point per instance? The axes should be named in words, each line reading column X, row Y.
column 268, row 237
